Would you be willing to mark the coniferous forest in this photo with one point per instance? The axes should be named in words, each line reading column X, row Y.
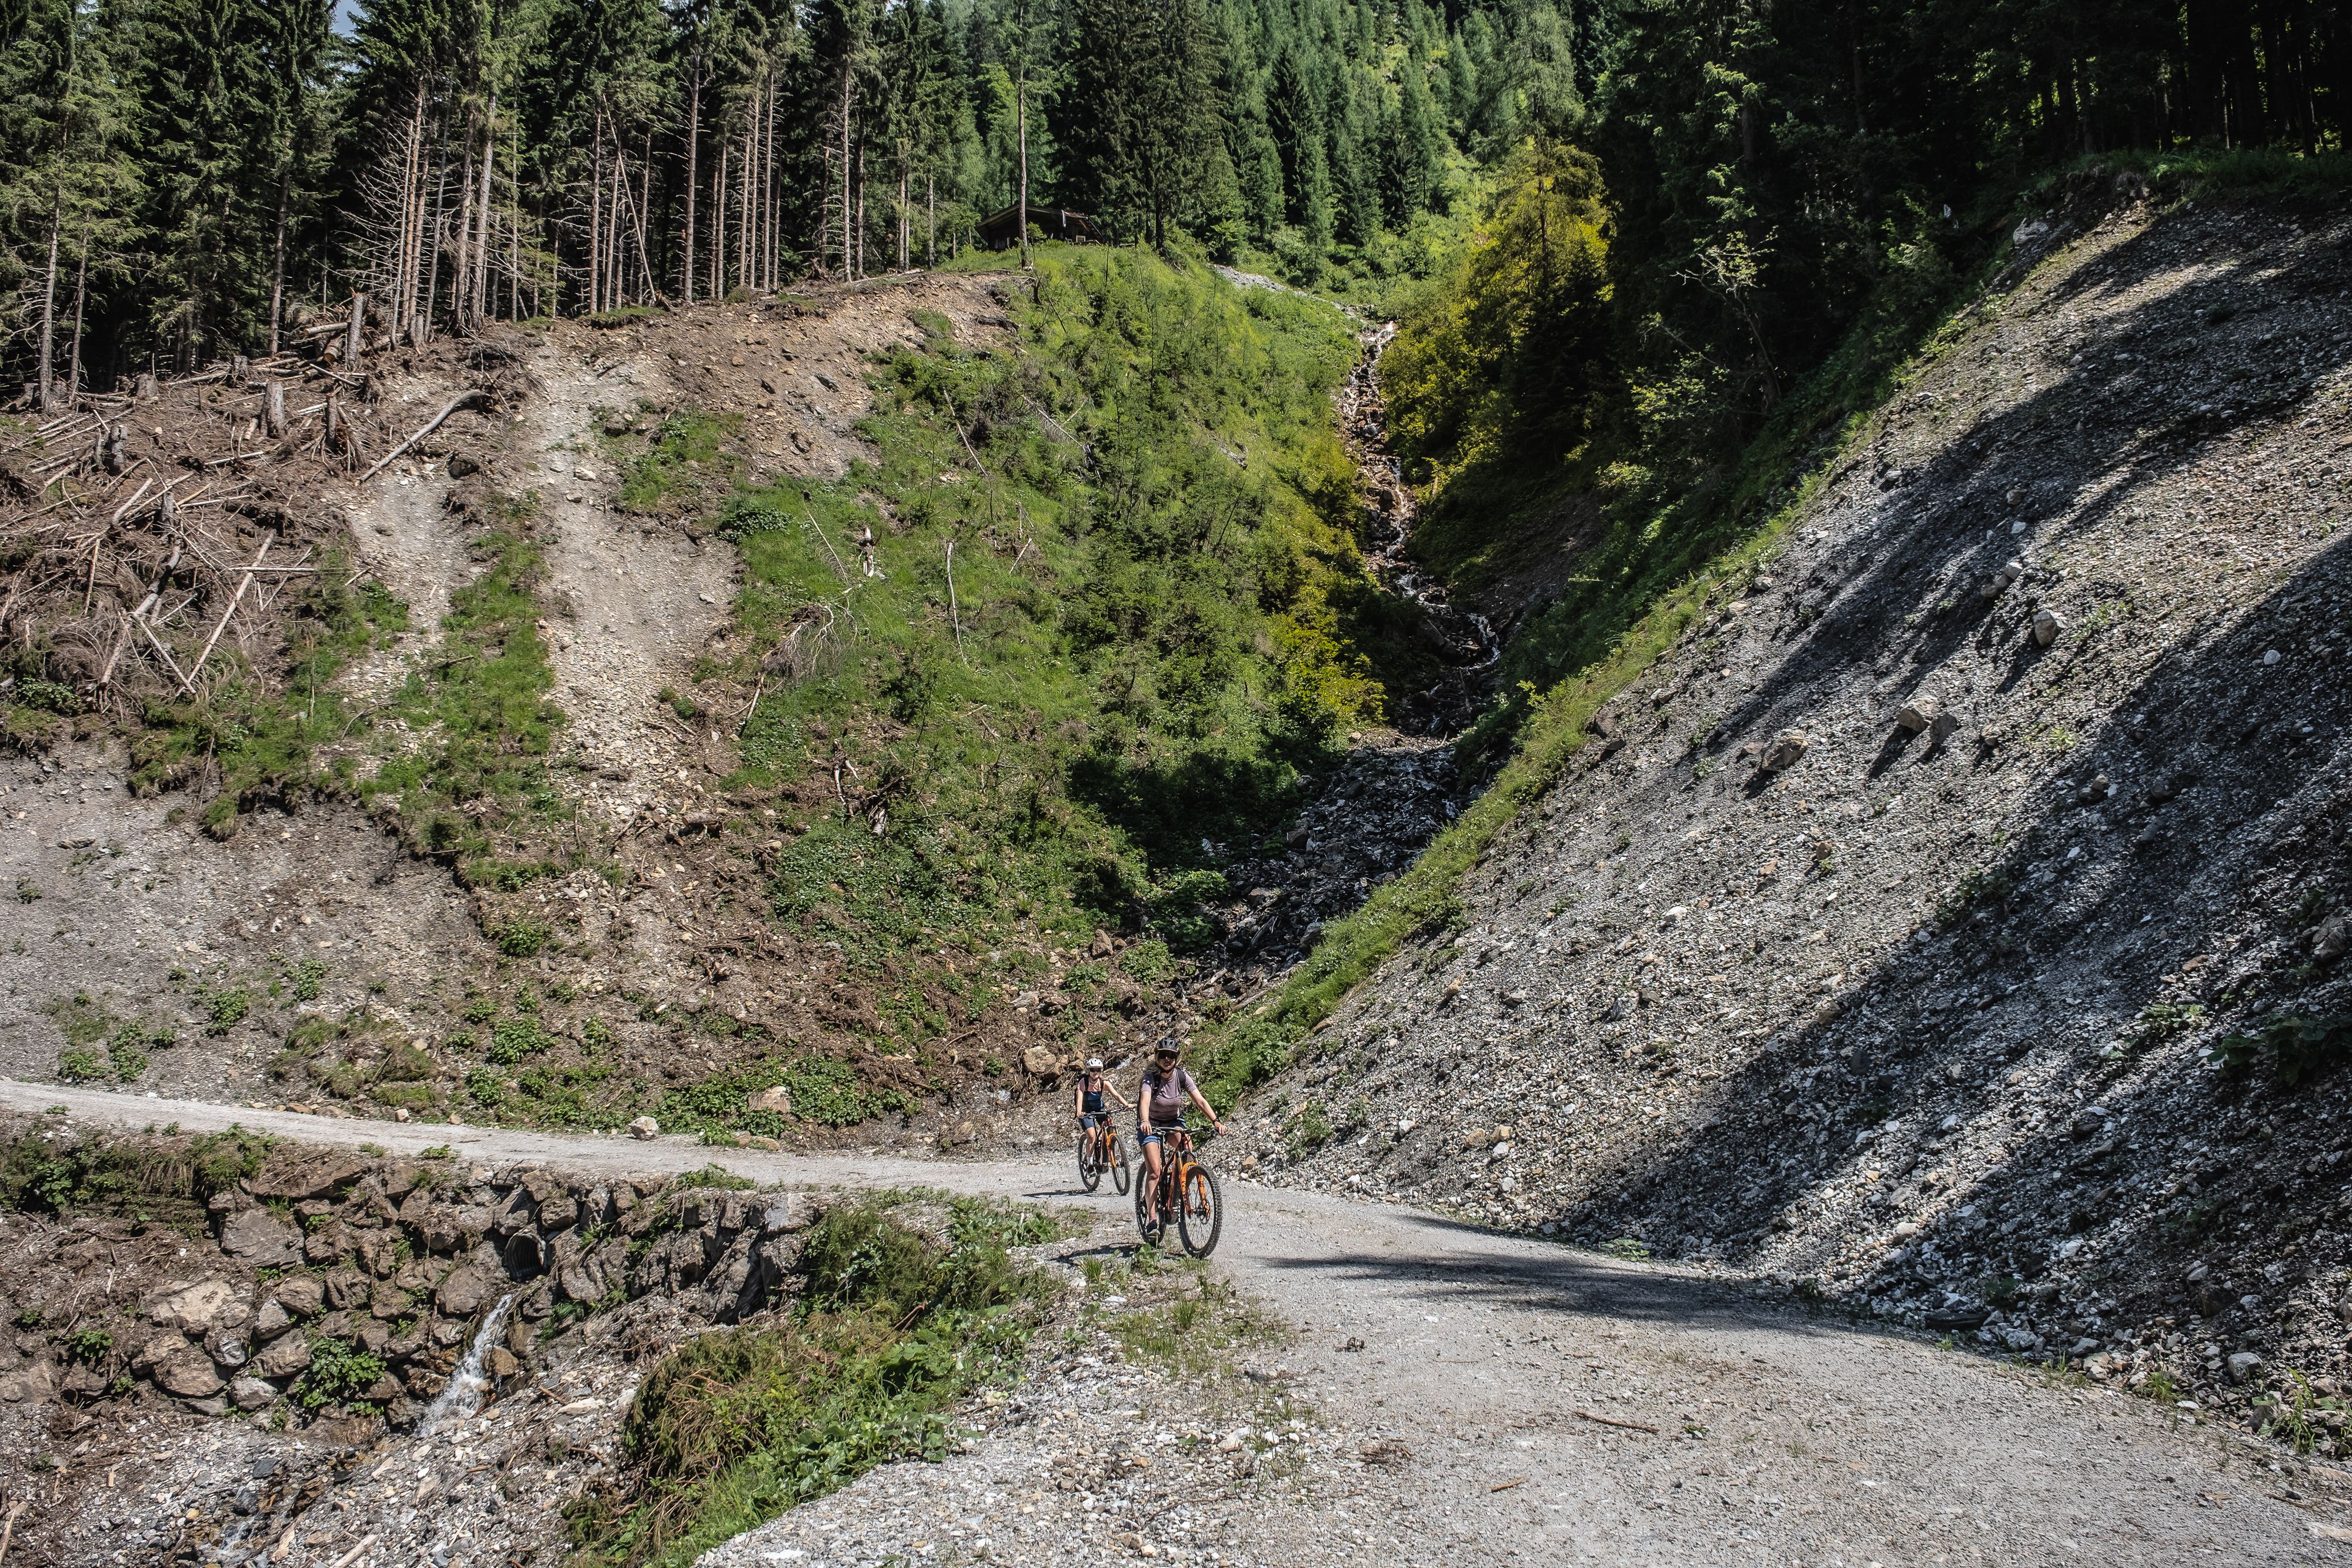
column 191, row 179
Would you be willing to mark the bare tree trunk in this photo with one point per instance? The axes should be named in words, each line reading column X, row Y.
column 596, row 220
column 693, row 139
column 48, row 387
column 461, row 260
column 352, row 334
column 73, row 348
column 860, row 271
column 432, row 254
column 932, row 216
column 904, row 238
column 411, row 219
column 277, row 263
column 514, row 236
column 847, row 83
column 745, row 203
column 1021, row 124
column 273, row 408
column 613, row 222
column 718, row 226
column 482, row 239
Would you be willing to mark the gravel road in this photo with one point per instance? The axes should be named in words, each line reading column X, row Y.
column 1526, row 1379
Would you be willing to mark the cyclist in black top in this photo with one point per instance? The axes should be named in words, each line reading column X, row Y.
column 1091, row 1089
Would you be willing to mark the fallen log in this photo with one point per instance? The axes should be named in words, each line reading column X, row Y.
column 244, row 581
column 430, row 425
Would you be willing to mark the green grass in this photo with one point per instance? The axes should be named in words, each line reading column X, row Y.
column 478, row 789
column 1155, row 629
column 260, row 731
column 893, row 1329
column 170, row 1176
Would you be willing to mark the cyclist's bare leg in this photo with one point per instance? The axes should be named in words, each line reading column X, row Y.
column 1151, row 1180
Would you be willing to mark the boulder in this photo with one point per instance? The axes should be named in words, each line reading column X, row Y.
column 644, row 1127
column 462, row 1293
column 778, row 1099
column 35, row 1382
column 200, row 1307
column 298, row 1175
column 284, row 1357
column 1783, row 751
column 2046, row 627
column 157, row 1351
column 250, row 1394
column 558, row 1214
column 302, row 1296
column 2330, row 938
column 1943, row 728
column 1919, row 712
column 271, row 1320
column 259, row 1237
column 188, row 1375
column 1040, row 1061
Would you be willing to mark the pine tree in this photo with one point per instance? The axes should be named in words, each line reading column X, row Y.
column 1136, row 123
column 63, row 121
column 204, row 83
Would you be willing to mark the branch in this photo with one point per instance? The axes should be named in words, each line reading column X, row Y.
column 454, row 404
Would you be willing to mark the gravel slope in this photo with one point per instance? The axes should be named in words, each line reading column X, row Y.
column 1781, row 1436
column 1874, row 944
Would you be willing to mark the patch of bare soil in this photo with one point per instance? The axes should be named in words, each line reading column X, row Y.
column 116, row 913
column 637, row 951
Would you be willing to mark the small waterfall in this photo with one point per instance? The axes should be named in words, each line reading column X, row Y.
column 464, row 1395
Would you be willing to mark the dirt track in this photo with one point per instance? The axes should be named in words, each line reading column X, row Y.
column 1487, row 1355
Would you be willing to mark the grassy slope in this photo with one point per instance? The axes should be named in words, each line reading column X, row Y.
column 1152, row 624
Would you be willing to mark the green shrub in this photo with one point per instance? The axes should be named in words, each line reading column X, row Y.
column 81, row 1066
column 521, row 939
column 339, row 1373
column 224, row 1007
column 742, row 1424
column 2294, row 1049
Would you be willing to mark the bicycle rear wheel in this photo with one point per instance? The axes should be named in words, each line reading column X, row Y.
column 1118, row 1172
column 1089, row 1171
column 1201, row 1213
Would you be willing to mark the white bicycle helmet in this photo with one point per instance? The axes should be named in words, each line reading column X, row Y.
column 1093, row 1065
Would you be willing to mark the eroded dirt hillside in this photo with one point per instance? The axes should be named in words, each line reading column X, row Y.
column 489, row 861
column 1881, row 940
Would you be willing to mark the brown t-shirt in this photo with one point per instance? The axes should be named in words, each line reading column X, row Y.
column 1167, row 1096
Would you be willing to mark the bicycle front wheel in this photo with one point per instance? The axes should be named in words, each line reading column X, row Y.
column 1089, row 1169
column 1118, row 1172
column 1201, row 1215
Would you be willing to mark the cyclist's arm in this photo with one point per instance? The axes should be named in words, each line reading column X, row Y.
column 1206, row 1110
column 1112, row 1090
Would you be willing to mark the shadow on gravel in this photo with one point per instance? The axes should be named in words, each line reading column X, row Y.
column 2199, row 824
column 2201, row 820
column 1470, row 1262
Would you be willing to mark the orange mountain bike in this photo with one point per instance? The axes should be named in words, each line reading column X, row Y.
column 1187, row 1189
column 1100, row 1150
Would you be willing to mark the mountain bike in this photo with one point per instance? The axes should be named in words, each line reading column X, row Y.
column 1187, row 1189
column 1100, row 1150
